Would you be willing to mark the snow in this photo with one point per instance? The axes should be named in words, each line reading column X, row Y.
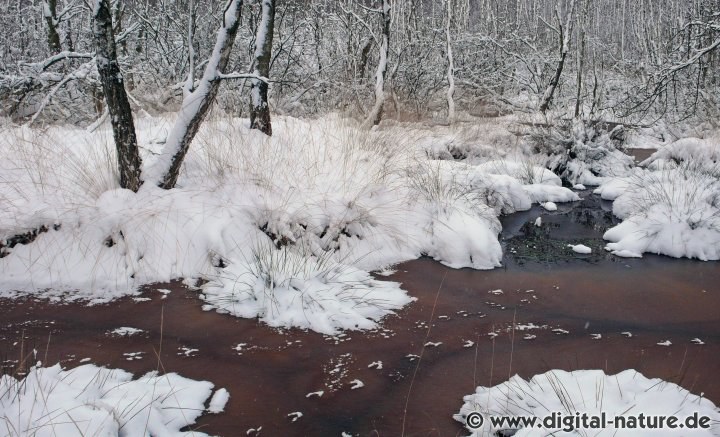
column 284, row 289
column 294, row 416
column 550, row 194
column 549, row 206
column 580, row 248
column 673, row 210
column 593, row 157
column 705, row 152
column 91, row 400
column 218, row 401
column 587, row 391
column 284, row 229
column 126, row 331
column 527, row 172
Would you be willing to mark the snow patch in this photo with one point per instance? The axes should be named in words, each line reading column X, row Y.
column 53, row 401
column 569, row 392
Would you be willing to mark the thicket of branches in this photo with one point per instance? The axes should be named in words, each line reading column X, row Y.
column 634, row 59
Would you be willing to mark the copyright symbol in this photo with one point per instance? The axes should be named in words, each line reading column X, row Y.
column 474, row 420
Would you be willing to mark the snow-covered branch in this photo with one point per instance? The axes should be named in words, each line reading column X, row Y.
column 52, row 60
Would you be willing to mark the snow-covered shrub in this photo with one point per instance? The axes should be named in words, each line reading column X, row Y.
column 671, row 208
column 673, row 211
column 540, row 184
column 582, row 152
column 590, row 392
column 699, row 155
column 96, row 401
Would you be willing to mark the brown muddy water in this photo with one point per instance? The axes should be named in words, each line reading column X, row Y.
column 640, row 155
column 544, row 283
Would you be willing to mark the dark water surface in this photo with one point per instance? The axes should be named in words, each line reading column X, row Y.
column 654, row 298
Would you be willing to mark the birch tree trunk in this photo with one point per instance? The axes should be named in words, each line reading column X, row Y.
column 376, row 112
column 581, row 58
column 451, row 65
column 565, row 36
column 128, row 156
column 259, row 109
column 50, row 14
column 196, row 104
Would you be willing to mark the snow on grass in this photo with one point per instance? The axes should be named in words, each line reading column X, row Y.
column 673, row 211
column 285, row 289
column 704, row 152
column 672, row 207
column 627, row 393
column 283, row 228
column 91, row 400
column 526, row 171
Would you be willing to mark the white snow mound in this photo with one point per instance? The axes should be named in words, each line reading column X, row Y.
column 673, row 211
column 592, row 392
column 90, row 400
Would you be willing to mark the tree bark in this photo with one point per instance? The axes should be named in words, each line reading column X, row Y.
column 49, row 11
column 451, row 65
column 376, row 112
column 128, row 156
column 581, row 58
column 565, row 36
column 259, row 109
column 196, row 105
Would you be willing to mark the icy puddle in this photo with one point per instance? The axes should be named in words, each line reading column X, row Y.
column 657, row 315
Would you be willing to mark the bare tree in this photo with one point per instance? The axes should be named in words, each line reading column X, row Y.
column 259, row 109
column 128, row 156
column 196, row 104
column 451, row 64
column 581, row 57
column 376, row 112
column 50, row 14
column 564, row 36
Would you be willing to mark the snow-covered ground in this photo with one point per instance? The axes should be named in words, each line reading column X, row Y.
column 288, row 228
column 672, row 207
column 96, row 401
column 285, row 228
column 590, row 392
